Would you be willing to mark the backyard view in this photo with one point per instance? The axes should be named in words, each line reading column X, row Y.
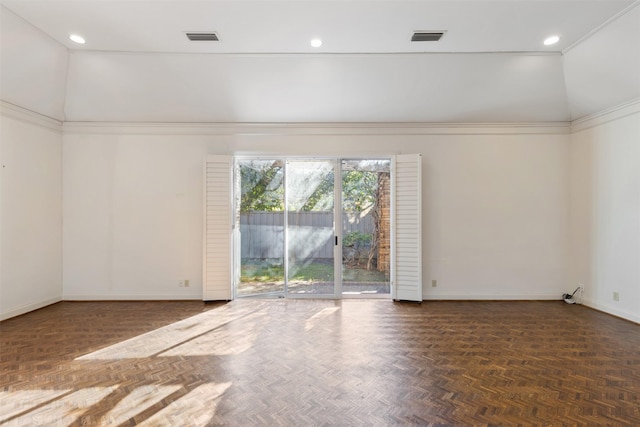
column 309, row 227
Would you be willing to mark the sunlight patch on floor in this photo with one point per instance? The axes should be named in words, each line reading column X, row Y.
column 163, row 339
column 62, row 411
column 227, row 341
column 13, row 403
column 196, row 409
column 135, row 402
column 312, row 321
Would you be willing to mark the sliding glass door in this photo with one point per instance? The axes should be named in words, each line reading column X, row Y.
column 366, row 227
column 260, row 218
column 313, row 227
column 285, row 214
column 310, row 242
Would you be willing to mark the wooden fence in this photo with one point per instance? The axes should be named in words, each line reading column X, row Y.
column 310, row 233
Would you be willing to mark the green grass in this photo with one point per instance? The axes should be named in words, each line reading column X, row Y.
column 256, row 271
column 261, row 273
column 312, row 273
column 361, row 275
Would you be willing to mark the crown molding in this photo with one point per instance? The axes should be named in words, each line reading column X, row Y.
column 610, row 114
column 316, row 128
column 363, row 128
column 19, row 113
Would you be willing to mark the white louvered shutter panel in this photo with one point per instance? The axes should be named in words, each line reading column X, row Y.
column 217, row 229
column 408, row 227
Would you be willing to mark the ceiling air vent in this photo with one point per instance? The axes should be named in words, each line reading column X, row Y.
column 427, row 36
column 203, row 37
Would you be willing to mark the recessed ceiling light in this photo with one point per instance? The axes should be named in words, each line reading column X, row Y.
column 551, row 40
column 76, row 38
column 316, row 42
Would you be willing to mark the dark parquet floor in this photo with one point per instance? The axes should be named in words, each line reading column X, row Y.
column 318, row 363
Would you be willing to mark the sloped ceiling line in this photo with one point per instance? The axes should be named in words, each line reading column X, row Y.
column 602, row 26
column 433, row 87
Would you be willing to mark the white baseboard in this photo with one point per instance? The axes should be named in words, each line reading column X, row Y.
column 614, row 311
column 460, row 297
column 27, row 308
column 494, row 297
column 134, row 297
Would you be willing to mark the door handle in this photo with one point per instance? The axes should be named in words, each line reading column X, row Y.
column 336, row 240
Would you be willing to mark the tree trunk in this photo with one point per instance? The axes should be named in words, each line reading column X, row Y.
column 375, row 236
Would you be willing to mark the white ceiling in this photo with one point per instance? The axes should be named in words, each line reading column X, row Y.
column 490, row 67
column 361, row 26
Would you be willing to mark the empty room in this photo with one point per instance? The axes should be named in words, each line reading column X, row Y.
column 319, row 213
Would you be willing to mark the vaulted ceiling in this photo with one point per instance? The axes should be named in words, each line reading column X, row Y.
column 138, row 65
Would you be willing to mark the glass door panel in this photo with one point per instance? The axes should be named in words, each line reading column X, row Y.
column 366, row 232
column 310, row 227
column 260, row 216
column 286, row 216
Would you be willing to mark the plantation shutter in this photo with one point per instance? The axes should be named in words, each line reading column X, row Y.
column 217, row 262
column 407, row 229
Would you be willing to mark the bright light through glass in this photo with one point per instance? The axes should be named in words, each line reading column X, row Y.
column 551, row 40
column 76, row 38
column 316, row 42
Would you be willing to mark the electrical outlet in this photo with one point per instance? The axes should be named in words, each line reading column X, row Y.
column 616, row 296
column 434, row 283
column 183, row 283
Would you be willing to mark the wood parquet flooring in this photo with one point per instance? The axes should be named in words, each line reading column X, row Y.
column 318, row 363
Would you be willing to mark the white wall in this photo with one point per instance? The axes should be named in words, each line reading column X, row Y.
column 603, row 70
column 30, row 211
column 495, row 203
column 605, row 211
column 33, row 71
column 133, row 216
